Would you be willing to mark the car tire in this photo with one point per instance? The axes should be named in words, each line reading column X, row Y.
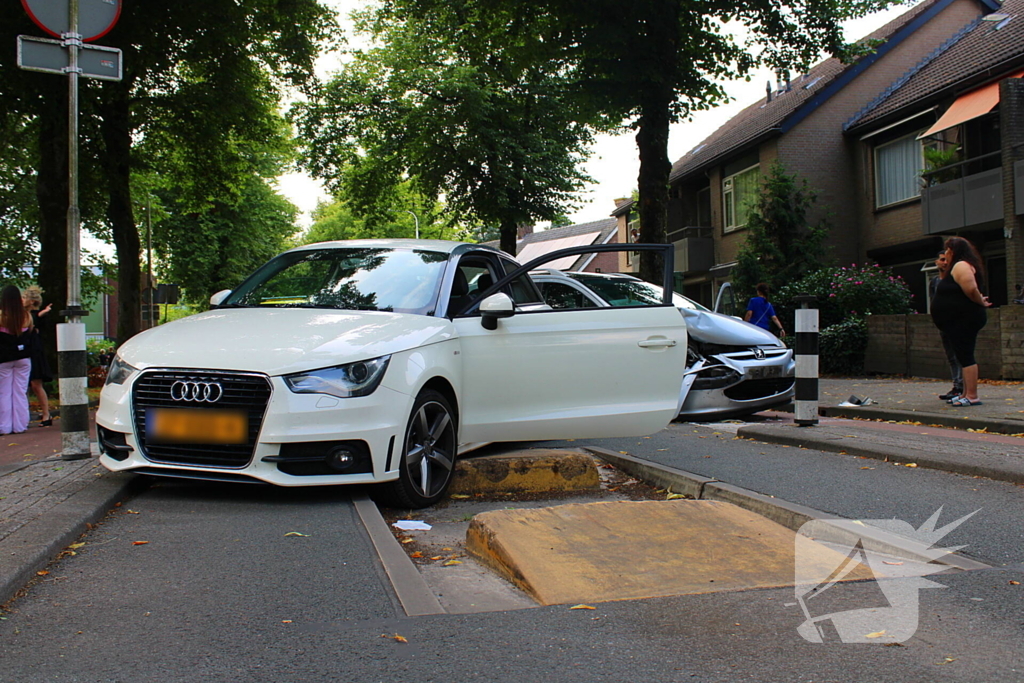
column 427, row 462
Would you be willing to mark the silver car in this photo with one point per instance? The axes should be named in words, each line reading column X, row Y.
column 733, row 368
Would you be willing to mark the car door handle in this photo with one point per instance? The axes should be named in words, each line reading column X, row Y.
column 656, row 343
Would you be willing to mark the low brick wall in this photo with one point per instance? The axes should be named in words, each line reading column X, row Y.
column 909, row 345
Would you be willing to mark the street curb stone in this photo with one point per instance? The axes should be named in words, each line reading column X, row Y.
column 787, row 435
column 33, row 546
column 992, row 424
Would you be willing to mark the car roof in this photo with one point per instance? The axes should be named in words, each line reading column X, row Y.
column 443, row 246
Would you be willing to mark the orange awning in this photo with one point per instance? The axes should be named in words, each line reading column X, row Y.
column 969, row 106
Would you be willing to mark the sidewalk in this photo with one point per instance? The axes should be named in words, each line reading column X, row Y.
column 46, row 503
column 920, row 430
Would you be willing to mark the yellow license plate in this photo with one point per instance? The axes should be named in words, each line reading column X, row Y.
column 182, row 425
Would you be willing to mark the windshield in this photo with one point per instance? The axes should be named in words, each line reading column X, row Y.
column 359, row 279
column 629, row 292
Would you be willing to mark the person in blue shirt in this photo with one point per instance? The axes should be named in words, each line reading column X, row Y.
column 760, row 311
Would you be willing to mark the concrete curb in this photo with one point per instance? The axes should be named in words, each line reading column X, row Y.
column 806, row 438
column 994, row 425
column 33, row 546
column 411, row 589
column 787, row 514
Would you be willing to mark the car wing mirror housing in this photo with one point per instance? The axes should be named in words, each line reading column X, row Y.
column 218, row 298
column 493, row 307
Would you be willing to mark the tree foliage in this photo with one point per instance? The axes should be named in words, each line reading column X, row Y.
column 200, row 79
column 781, row 245
column 463, row 106
column 648, row 63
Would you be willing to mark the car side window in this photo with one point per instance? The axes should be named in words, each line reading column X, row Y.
column 473, row 275
column 524, row 291
column 561, row 296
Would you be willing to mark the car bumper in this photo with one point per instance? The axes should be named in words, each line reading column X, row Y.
column 294, row 428
column 757, row 384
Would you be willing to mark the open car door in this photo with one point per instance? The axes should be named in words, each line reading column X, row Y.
column 534, row 373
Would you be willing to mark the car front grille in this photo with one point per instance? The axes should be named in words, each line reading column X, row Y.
column 759, row 388
column 246, row 392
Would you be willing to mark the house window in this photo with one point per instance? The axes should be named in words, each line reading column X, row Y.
column 898, row 167
column 739, row 195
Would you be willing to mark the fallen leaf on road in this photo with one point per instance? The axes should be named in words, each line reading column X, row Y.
column 407, row 540
column 1015, row 583
column 416, row 554
column 867, row 468
column 947, row 660
column 582, row 607
column 876, row 634
column 42, row 572
column 296, row 533
column 451, row 563
column 886, row 562
column 131, row 512
column 140, row 542
column 458, row 495
column 674, row 496
column 75, row 546
column 439, row 557
column 397, row 638
column 911, row 464
column 286, row 621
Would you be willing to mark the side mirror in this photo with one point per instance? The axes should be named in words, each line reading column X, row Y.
column 218, row 298
column 493, row 307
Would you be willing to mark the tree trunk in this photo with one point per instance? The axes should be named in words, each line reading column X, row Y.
column 655, row 167
column 509, row 235
column 52, row 195
column 117, row 163
column 661, row 41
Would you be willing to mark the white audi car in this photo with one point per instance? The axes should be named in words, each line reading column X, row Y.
column 378, row 361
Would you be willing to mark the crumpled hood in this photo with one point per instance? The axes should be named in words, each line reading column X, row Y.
column 279, row 341
column 717, row 328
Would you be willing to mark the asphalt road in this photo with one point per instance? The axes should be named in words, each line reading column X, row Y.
column 204, row 583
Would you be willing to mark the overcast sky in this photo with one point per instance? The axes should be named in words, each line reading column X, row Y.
column 615, row 163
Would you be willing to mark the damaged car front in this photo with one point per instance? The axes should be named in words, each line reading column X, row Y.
column 733, row 368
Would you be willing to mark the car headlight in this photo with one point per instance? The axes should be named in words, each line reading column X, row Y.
column 343, row 381
column 119, row 371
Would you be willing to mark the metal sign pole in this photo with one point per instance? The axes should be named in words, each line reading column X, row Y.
column 71, row 354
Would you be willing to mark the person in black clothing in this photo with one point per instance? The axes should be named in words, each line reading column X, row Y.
column 959, row 311
column 955, row 370
column 33, row 298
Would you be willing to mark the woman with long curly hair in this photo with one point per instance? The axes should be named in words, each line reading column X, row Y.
column 959, row 311
column 15, row 323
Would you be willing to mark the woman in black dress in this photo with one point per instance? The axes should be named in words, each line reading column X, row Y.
column 959, row 311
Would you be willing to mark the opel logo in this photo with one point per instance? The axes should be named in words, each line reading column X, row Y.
column 759, row 354
column 197, row 392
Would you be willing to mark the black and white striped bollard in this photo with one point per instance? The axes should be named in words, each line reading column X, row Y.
column 74, row 395
column 806, row 399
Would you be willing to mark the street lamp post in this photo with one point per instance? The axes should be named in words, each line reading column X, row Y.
column 415, row 218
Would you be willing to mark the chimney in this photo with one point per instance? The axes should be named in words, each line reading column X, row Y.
column 622, row 200
column 768, row 90
column 523, row 230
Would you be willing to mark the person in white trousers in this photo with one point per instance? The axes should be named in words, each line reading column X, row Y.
column 14, row 374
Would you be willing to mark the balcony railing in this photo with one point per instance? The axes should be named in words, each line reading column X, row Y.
column 962, row 195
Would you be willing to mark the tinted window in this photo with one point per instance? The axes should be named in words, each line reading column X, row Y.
column 559, row 295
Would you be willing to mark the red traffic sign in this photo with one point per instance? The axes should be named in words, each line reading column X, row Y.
column 95, row 17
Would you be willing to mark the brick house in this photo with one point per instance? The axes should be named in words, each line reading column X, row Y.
column 959, row 113
column 800, row 124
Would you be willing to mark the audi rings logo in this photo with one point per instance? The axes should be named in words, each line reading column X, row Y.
column 759, row 354
column 197, row 392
